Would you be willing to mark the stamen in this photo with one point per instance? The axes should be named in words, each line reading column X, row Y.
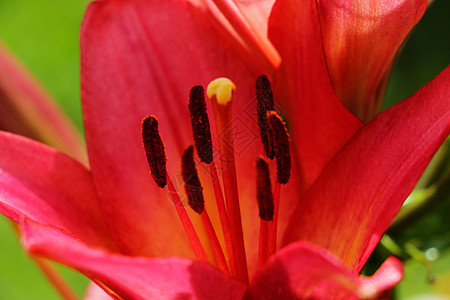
column 266, row 208
column 192, row 183
column 196, row 201
column 154, row 149
column 203, row 143
column 281, row 142
column 264, row 104
column 156, row 157
column 221, row 91
column 200, row 124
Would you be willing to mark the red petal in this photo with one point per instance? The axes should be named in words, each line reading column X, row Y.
column 51, row 188
column 354, row 200
column 27, row 109
column 257, row 14
column 318, row 122
column 361, row 39
column 305, row 271
column 132, row 277
column 141, row 58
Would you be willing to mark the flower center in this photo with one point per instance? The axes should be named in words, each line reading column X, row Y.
column 275, row 140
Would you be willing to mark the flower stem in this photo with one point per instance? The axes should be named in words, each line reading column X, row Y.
column 436, row 194
column 52, row 274
column 55, row 278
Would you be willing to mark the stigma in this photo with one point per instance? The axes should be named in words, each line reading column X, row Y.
column 229, row 255
column 222, row 89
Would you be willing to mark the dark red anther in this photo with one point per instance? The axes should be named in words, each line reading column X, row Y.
column 154, row 149
column 281, row 142
column 264, row 104
column 200, row 124
column 264, row 190
column 192, row 185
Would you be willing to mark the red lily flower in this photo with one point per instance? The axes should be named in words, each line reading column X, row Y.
column 141, row 57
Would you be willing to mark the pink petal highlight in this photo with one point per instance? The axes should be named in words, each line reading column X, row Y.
column 306, row 271
column 361, row 39
column 94, row 292
column 132, row 277
column 27, row 109
column 319, row 124
column 51, row 188
column 354, row 200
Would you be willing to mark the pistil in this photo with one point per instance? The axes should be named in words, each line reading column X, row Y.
column 220, row 91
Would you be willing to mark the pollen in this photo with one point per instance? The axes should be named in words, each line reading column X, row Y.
column 200, row 124
column 264, row 97
column 154, row 150
column 281, row 143
column 222, row 88
column 192, row 185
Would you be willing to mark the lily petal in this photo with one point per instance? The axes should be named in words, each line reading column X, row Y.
column 305, row 271
column 49, row 187
column 133, row 65
column 26, row 109
column 132, row 277
column 361, row 39
column 354, row 200
column 319, row 124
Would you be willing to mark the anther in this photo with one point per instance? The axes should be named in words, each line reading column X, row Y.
column 264, row 104
column 192, row 185
column 281, row 142
column 264, row 190
column 200, row 124
column 154, row 150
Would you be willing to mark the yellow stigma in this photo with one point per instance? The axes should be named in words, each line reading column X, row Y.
column 222, row 88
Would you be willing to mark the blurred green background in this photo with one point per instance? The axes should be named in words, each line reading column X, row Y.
column 44, row 35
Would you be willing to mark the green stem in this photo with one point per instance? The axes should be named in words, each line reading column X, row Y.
column 435, row 195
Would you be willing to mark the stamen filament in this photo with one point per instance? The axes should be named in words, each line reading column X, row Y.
column 218, row 91
column 263, row 250
column 223, row 215
column 272, row 239
column 187, row 224
column 266, row 208
column 217, row 249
